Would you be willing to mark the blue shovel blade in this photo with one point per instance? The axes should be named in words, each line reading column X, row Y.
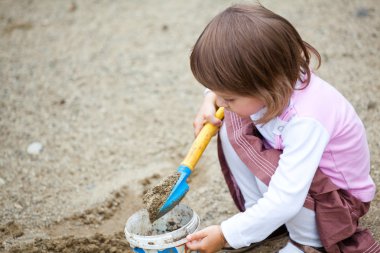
column 178, row 192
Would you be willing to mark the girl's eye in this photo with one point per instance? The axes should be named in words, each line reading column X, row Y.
column 229, row 100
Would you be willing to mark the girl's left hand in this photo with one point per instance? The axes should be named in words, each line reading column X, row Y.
column 208, row 240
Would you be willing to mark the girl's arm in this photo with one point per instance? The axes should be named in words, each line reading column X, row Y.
column 305, row 140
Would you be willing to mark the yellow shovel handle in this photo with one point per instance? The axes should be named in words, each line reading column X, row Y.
column 200, row 143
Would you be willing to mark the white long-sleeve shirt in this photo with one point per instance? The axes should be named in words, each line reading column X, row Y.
column 304, row 140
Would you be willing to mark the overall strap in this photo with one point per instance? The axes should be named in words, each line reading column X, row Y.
column 246, row 141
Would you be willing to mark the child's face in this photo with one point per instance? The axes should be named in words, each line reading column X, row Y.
column 241, row 105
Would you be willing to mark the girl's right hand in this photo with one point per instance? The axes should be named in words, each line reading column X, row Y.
column 206, row 113
column 207, row 240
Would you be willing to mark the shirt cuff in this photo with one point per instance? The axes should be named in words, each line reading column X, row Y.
column 206, row 91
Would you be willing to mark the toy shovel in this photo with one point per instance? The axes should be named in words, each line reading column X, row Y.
column 187, row 166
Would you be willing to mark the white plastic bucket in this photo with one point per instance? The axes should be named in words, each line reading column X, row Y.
column 166, row 235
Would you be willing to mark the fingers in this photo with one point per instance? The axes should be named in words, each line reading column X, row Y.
column 195, row 240
column 194, row 245
column 201, row 121
column 207, row 240
column 206, row 113
column 198, row 124
column 213, row 120
column 197, row 235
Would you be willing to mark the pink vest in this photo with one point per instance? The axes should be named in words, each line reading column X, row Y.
column 346, row 158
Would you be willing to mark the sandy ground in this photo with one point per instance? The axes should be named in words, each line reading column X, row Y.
column 106, row 88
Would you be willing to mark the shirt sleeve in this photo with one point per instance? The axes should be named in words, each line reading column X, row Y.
column 304, row 141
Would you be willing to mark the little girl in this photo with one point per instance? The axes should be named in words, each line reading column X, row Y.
column 292, row 149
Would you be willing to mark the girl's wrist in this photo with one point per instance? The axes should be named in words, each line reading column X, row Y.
column 222, row 235
column 206, row 92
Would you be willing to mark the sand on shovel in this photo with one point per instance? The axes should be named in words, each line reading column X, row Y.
column 156, row 196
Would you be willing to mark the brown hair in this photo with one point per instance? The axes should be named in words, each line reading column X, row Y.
column 250, row 51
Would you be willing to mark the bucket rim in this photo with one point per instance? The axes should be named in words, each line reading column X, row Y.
column 162, row 241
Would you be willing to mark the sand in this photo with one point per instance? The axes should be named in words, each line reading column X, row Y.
column 104, row 91
column 155, row 198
